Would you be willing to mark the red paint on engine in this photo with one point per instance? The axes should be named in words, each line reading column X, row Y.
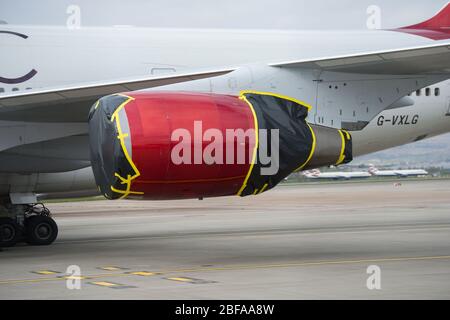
column 153, row 116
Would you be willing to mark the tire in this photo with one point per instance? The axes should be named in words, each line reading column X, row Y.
column 10, row 232
column 41, row 230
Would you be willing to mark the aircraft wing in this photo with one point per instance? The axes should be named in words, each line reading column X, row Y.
column 72, row 104
column 426, row 60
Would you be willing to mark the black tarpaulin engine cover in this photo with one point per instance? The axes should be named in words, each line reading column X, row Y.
column 105, row 145
column 295, row 138
column 301, row 145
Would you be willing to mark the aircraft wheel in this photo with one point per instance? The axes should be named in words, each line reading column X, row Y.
column 41, row 230
column 10, row 232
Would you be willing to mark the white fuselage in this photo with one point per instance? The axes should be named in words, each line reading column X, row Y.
column 428, row 117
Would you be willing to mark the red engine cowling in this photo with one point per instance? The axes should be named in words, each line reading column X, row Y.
column 147, row 123
column 175, row 145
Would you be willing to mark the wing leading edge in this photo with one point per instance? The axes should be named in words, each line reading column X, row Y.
column 71, row 104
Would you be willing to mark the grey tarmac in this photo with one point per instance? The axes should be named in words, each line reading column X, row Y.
column 305, row 241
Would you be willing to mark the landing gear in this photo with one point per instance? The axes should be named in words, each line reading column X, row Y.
column 10, row 232
column 40, row 230
column 26, row 223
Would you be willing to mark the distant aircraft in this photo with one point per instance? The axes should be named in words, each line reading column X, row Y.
column 165, row 114
column 316, row 174
column 396, row 173
column 371, row 172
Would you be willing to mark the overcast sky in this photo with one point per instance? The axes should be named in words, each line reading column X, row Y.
column 268, row 14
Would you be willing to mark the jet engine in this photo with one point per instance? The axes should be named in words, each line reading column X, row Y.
column 178, row 145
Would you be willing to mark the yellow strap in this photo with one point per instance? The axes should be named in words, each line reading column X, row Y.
column 121, row 136
column 263, row 188
column 341, row 155
column 302, row 103
column 313, row 149
column 255, row 148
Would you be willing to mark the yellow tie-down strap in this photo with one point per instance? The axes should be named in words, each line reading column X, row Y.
column 122, row 136
column 255, row 148
column 313, row 149
column 345, row 136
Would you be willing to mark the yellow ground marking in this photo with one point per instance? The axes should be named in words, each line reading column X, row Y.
column 305, row 264
column 242, row 267
column 143, row 273
column 111, row 268
column 46, row 272
column 105, row 284
column 75, row 278
column 181, row 279
column 190, row 280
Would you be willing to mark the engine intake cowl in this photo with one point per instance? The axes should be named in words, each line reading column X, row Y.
column 177, row 145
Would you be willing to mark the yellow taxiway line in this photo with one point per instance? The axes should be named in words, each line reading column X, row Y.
column 231, row 268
